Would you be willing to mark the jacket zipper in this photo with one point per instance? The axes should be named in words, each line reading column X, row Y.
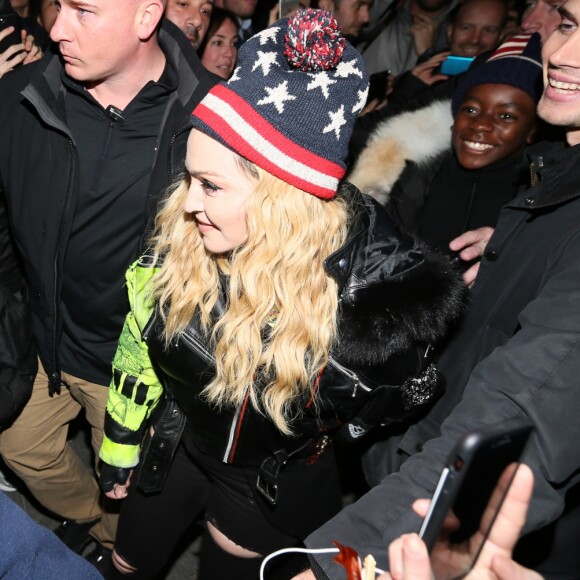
column 194, row 345
column 351, row 375
column 55, row 376
column 191, row 342
column 47, row 115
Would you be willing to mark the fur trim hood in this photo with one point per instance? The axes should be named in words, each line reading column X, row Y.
column 395, row 293
column 416, row 136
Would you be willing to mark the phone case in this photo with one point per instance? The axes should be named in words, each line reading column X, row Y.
column 6, row 20
column 470, row 476
column 454, row 65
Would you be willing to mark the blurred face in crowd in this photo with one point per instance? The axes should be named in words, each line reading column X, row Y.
column 221, row 51
column 218, row 193
column 541, row 16
column 493, row 122
column 560, row 103
column 477, row 27
column 20, row 7
column 48, row 14
column 191, row 16
column 432, row 5
column 102, row 41
column 241, row 8
column 351, row 15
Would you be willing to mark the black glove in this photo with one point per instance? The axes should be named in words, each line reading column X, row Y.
column 110, row 475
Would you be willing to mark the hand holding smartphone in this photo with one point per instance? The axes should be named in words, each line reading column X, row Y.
column 15, row 37
column 460, row 513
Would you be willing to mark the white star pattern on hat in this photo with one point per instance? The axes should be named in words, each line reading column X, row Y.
column 277, row 96
column 267, row 34
column 235, row 76
column 362, row 99
column 321, row 81
column 337, row 122
column 345, row 69
column 265, row 60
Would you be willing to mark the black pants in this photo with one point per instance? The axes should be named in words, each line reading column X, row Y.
column 197, row 488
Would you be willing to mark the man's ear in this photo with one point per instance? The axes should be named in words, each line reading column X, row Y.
column 532, row 134
column 148, row 16
column 449, row 32
column 326, row 5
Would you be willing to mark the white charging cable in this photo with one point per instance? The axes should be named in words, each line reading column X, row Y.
column 301, row 551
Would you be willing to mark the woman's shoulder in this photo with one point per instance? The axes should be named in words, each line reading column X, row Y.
column 393, row 282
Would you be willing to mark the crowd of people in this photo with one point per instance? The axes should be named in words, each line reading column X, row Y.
column 238, row 236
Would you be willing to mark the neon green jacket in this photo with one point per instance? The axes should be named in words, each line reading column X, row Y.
column 135, row 388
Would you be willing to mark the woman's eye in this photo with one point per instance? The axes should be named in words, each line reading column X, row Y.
column 208, row 187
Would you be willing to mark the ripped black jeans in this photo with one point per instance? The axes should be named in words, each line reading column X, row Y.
column 197, row 489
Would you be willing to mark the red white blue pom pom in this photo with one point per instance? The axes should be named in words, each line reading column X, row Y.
column 313, row 41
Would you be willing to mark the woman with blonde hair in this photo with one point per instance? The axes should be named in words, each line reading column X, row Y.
column 276, row 309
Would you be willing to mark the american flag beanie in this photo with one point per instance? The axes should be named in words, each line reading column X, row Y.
column 517, row 62
column 291, row 102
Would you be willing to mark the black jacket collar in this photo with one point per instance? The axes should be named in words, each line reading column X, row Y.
column 558, row 177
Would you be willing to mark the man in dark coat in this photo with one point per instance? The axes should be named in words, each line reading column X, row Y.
column 91, row 137
column 517, row 352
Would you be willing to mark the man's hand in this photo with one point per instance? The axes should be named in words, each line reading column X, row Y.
column 24, row 52
column 423, row 32
column 424, row 71
column 409, row 560
column 33, row 52
column 13, row 55
column 471, row 246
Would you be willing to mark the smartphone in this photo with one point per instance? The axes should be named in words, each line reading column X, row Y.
column 378, row 83
column 6, row 20
column 454, row 65
column 468, row 481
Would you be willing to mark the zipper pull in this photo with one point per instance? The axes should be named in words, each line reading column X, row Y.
column 356, row 384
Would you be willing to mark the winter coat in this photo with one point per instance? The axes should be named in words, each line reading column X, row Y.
column 421, row 138
column 397, row 298
column 40, row 179
column 17, row 352
column 433, row 196
column 517, row 352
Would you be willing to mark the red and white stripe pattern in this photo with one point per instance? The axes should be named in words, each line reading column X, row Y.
column 243, row 129
column 514, row 47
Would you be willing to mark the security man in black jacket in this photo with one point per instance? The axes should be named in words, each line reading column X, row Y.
column 91, row 137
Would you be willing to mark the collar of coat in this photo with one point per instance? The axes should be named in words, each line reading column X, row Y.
column 193, row 77
column 558, row 176
column 394, row 291
column 415, row 136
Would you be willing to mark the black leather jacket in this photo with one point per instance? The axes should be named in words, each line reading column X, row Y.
column 396, row 299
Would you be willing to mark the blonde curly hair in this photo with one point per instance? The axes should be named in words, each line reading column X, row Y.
column 277, row 288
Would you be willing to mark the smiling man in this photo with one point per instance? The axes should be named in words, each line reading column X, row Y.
column 91, row 137
column 517, row 352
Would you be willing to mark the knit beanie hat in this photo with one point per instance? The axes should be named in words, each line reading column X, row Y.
column 291, row 103
column 517, row 62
